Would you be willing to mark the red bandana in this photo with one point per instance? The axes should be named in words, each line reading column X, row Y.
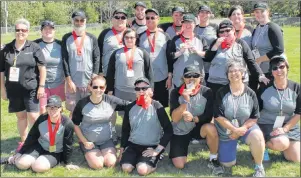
column 194, row 91
column 227, row 43
column 141, row 102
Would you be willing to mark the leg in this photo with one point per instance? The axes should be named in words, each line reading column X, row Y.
column 25, row 161
column 144, row 169
column 128, row 159
column 179, row 150
column 293, row 151
column 109, row 155
column 227, row 152
column 22, row 124
column 279, row 143
column 128, row 168
column 43, row 101
column 44, row 163
column 32, row 116
column 256, row 143
column 209, row 132
column 179, row 162
column 95, row 159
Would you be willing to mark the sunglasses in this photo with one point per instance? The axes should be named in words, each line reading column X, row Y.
column 120, row 17
column 221, row 32
column 21, row 30
column 129, row 37
column 192, row 75
column 148, row 18
column 79, row 20
column 278, row 67
column 53, row 107
column 141, row 88
column 100, row 87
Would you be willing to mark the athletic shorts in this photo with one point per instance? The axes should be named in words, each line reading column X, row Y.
column 293, row 134
column 37, row 150
column 28, row 102
column 59, row 91
column 227, row 149
column 73, row 98
column 132, row 154
column 107, row 144
column 161, row 94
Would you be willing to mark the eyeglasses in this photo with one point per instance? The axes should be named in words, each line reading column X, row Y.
column 278, row 67
column 221, row 32
column 152, row 18
column 100, row 87
column 141, row 88
column 79, row 20
column 53, row 108
column 21, row 30
column 129, row 37
column 193, row 75
column 120, row 17
column 233, row 71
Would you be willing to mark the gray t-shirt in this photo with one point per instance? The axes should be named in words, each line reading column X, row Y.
column 139, row 28
column 54, row 64
column 231, row 107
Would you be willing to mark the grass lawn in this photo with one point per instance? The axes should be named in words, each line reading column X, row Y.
column 198, row 154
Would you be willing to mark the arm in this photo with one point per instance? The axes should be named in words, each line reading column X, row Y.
column 65, row 56
column 111, row 72
column 176, row 109
column 296, row 118
column 276, row 39
column 95, row 56
column 148, row 71
column 119, row 103
column 167, row 128
column 68, row 141
column 126, row 127
column 100, row 45
column 206, row 117
column 211, row 52
column 41, row 62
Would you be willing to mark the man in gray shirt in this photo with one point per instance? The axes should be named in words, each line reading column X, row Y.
column 174, row 28
column 80, row 54
column 139, row 22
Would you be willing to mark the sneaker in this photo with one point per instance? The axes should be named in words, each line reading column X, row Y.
column 4, row 160
column 259, row 172
column 194, row 141
column 266, row 156
column 216, row 167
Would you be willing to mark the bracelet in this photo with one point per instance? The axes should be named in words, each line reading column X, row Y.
column 186, row 102
column 43, row 86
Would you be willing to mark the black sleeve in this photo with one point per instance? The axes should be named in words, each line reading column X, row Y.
column 206, row 117
column 174, row 100
column 65, row 55
column 111, row 72
column 171, row 50
column 210, row 54
column 100, row 45
column 164, row 26
column 38, row 40
column 126, row 127
column 68, row 141
column 205, row 45
column 296, row 89
column 33, row 135
column 169, row 62
column 77, row 115
column 2, row 60
column 165, row 124
column 276, row 39
column 148, row 71
column 120, row 104
column 219, row 108
column 38, row 55
column 249, row 59
column 262, row 88
column 255, row 109
column 96, row 54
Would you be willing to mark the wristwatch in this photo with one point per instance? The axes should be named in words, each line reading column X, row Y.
column 158, row 150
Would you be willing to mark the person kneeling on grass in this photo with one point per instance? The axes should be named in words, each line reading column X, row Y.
column 142, row 141
column 236, row 112
column 48, row 142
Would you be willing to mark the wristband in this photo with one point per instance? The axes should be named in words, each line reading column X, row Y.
column 43, row 86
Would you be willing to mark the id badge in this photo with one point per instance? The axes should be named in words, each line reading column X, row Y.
column 80, row 66
column 278, row 122
column 52, row 148
column 256, row 53
column 130, row 73
column 14, row 74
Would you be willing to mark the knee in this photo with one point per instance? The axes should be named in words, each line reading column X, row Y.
column 295, row 159
column 96, row 165
column 39, row 168
column 210, row 130
column 279, row 144
column 128, row 168
column 143, row 169
column 23, row 164
column 110, row 161
column 256, row 136
column 178, row 164
column 229, row 164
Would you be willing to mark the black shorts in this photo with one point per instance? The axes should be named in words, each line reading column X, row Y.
column 161, row 94
column 293, row 134
column 107, row 144
column 37, row 150
column 179, row 144
column 28, row 102
column 132, row 154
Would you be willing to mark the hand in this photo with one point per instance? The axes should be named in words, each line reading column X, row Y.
column 277, row 131
column 89, row 145
column 168, row 82
column 14, row 158
column 233, row 136
column 120, row 154
column 94, row 75
column 219, row 41
column 41, row 92
column 71, row 87
column 259, row 60
column 110, row 92
column 186, row 94
column 150, row 152
column 193, row 50
column 3, row 94
column 241, row 131
column 263, row 79
column 72, row 167
column 187, row 116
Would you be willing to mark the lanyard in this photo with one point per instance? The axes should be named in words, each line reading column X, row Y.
column 174, row 27
column 78, row 45
column 152, row 43
column 260, row 33
column 119, row 40
column 52, row 134
column 240, row 31
column 129, row 59
column 281, row 99
column 235, row 104
column 15, row 58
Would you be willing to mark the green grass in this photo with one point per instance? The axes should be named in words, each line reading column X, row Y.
column 198, row 154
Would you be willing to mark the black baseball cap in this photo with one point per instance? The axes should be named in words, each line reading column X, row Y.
column 261, row 5
column 118, row 11
column 142, row 4
column 189, row 18
column 275, row 60
column 47, row 23
column 191, row 70
column 142, row 79
column 54, row 101
column 79, row 13
column 205, row 8
column 177, row 9
column 225, row 24
column 152, row 10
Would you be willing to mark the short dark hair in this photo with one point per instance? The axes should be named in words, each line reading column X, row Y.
column 234, row 8
column 276, row 60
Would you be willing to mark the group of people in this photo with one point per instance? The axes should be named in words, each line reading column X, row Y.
column 224, row 83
